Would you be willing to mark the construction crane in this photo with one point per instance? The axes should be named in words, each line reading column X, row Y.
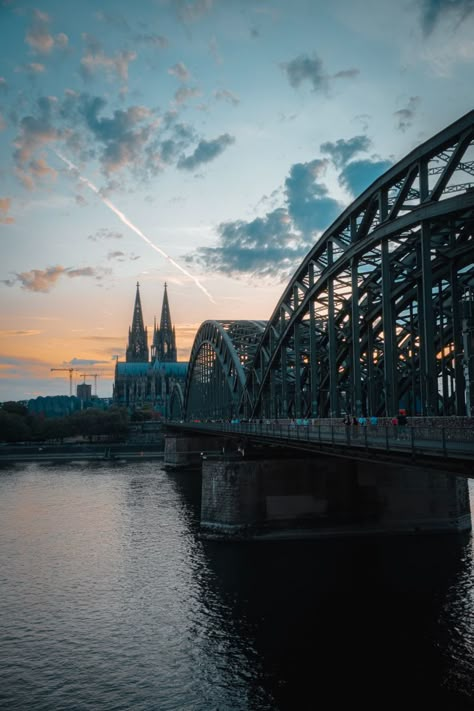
column 70, row 371
column 92, row 375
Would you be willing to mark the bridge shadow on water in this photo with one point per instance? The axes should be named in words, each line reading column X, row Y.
column 378, row 621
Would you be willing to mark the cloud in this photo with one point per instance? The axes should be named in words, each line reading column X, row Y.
column 94, row 59
column 32, row 69
column 5, row 218
column 180, row 71
column 123, row 136
column 226, row 95
column 192, row 10
column 358, row 175
column 83, row 361
column 406, row 115
column 153, row 40
column 11, row 334
column 105, row 233
column 186, row 92
column 116, row 255
column 205, row 152
column 39, row 37
column 266, row 246
column 3, row 85
column 43, row 280
column 309, row 205
column 35, row 133
column 342, row 151
column 434, row 11
column 305, row 68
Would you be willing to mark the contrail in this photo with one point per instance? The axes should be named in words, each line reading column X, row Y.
column 129, row 224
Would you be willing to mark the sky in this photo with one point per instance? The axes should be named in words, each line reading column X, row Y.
column 202, row 143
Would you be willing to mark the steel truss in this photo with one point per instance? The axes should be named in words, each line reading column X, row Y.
column 379, row 315
column 380, row 312
column 219, row 361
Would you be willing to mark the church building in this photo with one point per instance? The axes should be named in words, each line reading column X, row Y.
column 146, row 383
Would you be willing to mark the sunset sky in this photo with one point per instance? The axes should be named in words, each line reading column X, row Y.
column 228, row 133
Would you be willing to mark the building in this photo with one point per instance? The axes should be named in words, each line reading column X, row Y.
column 143, row 383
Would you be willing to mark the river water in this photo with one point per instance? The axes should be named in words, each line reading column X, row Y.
column 110, row 601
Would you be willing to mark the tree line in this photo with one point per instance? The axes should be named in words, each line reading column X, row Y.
column 17, row 424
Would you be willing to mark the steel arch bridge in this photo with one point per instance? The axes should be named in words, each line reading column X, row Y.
column 379, row 315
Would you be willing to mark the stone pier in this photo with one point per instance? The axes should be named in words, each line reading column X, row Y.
column 183, row 451
column 325, row 496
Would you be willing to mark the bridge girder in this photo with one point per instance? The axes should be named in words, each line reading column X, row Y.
column 379, row 314
column 220, row 356
column 372, row 317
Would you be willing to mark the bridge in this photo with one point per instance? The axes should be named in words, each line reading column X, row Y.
column 378, row 318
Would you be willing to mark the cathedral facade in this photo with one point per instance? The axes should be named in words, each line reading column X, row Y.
column 143, row 382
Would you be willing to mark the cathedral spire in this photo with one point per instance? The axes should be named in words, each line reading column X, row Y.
column 164, row 338
column 137, row 350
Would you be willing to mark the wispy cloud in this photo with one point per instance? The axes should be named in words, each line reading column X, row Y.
column 434, row 11
column 95, row 59
column 226, row 95
column 180, row 71
column 406, row 115
column 5, row 218
column 39, row 37
column 205, row 152
column 43, row 280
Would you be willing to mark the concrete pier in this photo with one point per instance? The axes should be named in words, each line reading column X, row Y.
column 284, row 498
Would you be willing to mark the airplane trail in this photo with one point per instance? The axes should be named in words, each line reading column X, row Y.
column 130, row 224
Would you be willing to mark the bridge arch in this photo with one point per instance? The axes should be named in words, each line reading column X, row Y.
column 221, row 354
column 381, row 311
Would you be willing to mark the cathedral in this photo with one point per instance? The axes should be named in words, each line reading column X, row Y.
column 146, row 383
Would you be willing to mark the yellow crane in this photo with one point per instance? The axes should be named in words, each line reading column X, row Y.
column 70, row 371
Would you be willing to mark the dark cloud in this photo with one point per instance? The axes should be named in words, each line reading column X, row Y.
column 433, row 11
column 406, row 115
column 342, row 151
column 205, row 152
column 358, row 175
column 273, row 245
column 305, row 68
column 309, row 206
column 123, row 136
column 263, row 247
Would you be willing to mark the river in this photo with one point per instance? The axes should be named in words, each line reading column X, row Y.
column 110, row 601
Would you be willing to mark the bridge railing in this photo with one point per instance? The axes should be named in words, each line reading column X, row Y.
column 436, row 441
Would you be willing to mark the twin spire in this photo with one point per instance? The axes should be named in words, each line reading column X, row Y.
column 163, row 348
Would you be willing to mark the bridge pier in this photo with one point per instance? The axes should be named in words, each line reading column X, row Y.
column 183, row 451
column 305, row 498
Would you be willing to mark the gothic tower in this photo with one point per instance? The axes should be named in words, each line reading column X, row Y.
column 137, row 349
column 164, row 337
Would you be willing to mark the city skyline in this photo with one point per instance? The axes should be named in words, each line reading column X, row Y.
column 204, row 144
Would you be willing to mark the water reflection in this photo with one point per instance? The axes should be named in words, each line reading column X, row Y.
column 110, row 600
